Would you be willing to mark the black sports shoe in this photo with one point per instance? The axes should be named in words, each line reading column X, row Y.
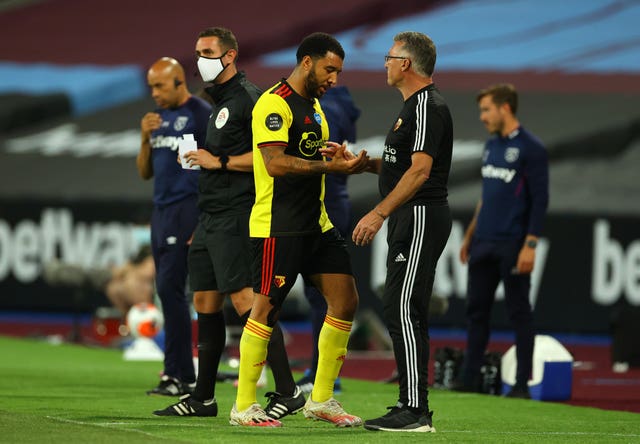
column 519, row 392
column 190, row 407
column 171, row 387
column 401, row 419
column 280, row 406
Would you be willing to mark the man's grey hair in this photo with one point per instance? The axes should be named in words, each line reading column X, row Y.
column 420, row 49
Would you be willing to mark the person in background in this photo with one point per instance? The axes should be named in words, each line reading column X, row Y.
column 342, row 114
column 414, row 173
column 500, row 242
column 132, row 282
column 175, row 212
column 220, row 254
column 124, row 285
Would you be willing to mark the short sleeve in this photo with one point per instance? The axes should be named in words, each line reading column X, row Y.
column 429, row 127
column 429, row 133
column 271, row 121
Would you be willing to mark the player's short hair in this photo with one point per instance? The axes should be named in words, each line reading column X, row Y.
column 420, row 49
column 500, row 94
column 317, row 45
column 225, row 36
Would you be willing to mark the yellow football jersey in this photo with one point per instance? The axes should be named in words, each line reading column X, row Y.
column 289, row 205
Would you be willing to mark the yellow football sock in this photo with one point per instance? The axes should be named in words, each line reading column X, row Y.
column 332, row 349
column 253, row 357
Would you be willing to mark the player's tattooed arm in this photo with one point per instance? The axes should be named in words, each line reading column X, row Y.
column 302, row 166
column 278, row 163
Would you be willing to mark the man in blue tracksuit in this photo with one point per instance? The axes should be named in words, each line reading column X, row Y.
column 500, row 242
column 175, row 211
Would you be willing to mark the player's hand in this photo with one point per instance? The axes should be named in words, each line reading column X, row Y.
column 342, row 163
column 358, row 163
column 367, row 228
column 203, row 158
column 526, row 259
column 150, row 122
column 332, row 147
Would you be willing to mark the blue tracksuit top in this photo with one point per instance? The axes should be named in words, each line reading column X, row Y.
column 515, row 187
column 172, row 183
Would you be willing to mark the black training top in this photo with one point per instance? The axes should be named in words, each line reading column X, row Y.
column 423, row 125
column 229, row 133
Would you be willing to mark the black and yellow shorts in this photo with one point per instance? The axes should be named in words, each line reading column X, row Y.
column 278, row 261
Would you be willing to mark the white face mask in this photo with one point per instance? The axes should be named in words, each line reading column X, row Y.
column 210, row 69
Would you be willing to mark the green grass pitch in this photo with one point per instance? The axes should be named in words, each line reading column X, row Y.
column 75, row 394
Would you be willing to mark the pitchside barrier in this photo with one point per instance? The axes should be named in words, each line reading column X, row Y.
column 587, row 266
column 587, row 269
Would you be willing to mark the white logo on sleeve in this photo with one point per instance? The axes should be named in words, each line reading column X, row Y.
column 171, row 240
column 400, row 258
column 222, row 117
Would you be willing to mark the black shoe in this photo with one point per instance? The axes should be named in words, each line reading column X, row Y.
column 401, row 419
column 190, row 407
column 171, row 387
column 518, row 392
column 280, row 406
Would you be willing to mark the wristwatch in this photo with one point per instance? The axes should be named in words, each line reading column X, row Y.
column 224, row 159
column 532, row 243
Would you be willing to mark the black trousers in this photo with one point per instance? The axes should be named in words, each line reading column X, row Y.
column 489, row 263
column 416, row 237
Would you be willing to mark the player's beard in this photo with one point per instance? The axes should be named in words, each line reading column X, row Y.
column 494, row 127
column 311, row 84
column 498, row 127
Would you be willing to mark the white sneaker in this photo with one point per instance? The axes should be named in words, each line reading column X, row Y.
column 330, row 411
column 254, row 416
